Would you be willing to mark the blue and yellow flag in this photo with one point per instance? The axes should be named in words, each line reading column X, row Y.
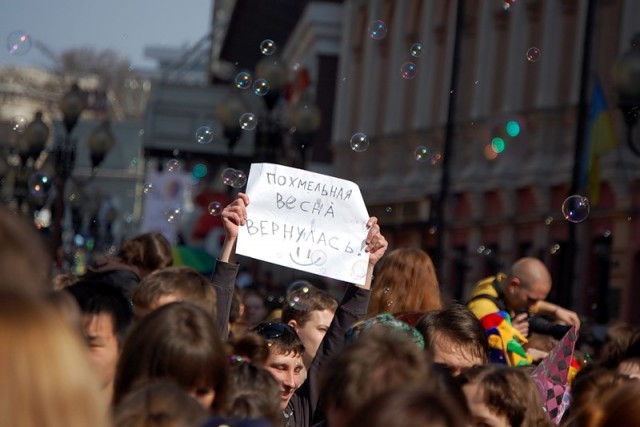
column 602, row 138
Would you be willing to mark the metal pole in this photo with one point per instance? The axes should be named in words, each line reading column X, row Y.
column 565, row 294
column 447, row 154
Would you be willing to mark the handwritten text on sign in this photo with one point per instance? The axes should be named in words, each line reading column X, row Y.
column 307, row 221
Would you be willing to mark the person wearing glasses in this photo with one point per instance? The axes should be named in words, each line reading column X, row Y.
column 504, row 302
column 299, row 396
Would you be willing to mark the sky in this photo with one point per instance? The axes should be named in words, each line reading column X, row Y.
column 126, row 26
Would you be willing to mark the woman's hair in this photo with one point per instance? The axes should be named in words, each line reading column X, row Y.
column 510, row 392
column 25, row 263
column 617, row 407
column 405, row 281
column 413, row 407
column 149, row 251
column 47, row 379
column 159, row 405
column 67, row 307
column 178, row 342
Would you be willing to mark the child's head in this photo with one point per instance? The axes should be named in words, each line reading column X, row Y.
column 502, row 396
column 173, row 284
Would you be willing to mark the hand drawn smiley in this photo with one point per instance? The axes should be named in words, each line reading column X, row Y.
column 308, row 257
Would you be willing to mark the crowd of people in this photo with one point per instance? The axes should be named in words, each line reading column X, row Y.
column 138, row 342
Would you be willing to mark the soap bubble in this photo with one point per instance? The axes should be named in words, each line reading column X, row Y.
column 214, row 208
column 243, row 80
column 260, row 87
column 576, row 208
column 239, row 179
column 204, row 135
column 359, row 142
column 227, row 176
column 422, row 154
column 377, row 30
column 416, row 50
column 389, row 209
column 533, row 54
column 173, row 214
column 248, row 121
column 408, row 70
column 18, row 43
column 268, row 47
column 173, row 165
column 39, row 184
column 19, row 124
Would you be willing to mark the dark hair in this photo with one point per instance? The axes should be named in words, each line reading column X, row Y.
column 182, row 281
column 253, row 392
column 590, row 384
column 158, row 404
column 413, row 407
column 510, row 392
column 382, row 359
column 458, row 327
column 94, row 297
column 301, row 302
column 249, row 346
column 150, row 251
column 280, row 337
column 178, row 342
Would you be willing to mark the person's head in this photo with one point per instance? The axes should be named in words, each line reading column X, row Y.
column 528, row 283
column 253, row 392
column 106, row 316
column 405, row 272
column 159, row 405
column 173, row 284
column 379, row 359
column 179, row 343
column 24, row 261
column 309, row 311
column 501, row 396
column 285, row 358
column 148, row 252
column 255, row 307
column 616, row 408
column 590, row 385
column 413, row 407
column 455, row 337
column 47, row 379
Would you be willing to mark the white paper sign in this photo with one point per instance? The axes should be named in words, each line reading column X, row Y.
column 306, row 221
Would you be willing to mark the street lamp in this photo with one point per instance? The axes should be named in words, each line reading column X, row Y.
column 100, row 141
column 30, row 145
column 71, row 105
column 626, row 78
column 229, row 112
column 269, row 139
column 306, row 118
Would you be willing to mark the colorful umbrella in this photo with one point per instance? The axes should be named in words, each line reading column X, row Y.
column 194, row 257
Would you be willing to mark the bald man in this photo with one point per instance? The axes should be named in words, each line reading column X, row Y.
column 513, row 297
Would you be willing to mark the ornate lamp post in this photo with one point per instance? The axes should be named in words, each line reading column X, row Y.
column 71, row 105
column 626, row 78
column 269, row 139
column 30, row 145
column 306, row 118
column 229, row 112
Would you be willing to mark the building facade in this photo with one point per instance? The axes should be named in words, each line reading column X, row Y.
column 503, row 203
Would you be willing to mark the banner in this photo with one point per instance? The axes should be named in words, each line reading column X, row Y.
column 306, row 221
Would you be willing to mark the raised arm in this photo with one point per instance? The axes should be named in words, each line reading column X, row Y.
column 234, row 216
column 352, row 309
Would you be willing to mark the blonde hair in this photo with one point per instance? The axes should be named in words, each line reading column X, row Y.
column 405, row 281
column 47, row 379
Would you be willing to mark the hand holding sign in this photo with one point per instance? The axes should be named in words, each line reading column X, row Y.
column 310, row 222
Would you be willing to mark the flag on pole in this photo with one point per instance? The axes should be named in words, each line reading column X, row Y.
column 602, row 138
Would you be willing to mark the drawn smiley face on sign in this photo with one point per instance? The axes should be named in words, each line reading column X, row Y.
column 308, row 257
